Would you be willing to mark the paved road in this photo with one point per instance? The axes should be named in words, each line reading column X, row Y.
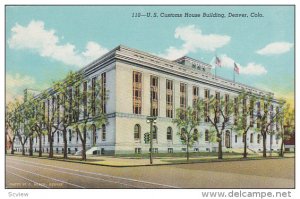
column 23, row 172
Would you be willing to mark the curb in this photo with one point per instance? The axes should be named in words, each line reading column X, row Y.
column 145, row 165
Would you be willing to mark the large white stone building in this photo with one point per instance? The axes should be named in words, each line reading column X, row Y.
column 130, row 76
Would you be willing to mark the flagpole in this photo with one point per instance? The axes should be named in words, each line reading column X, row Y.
column 233, row 76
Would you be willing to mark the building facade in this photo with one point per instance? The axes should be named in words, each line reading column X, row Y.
column 140, row 84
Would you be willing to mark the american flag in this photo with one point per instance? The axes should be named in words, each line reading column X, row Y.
column 236, row 68
column 218, row 61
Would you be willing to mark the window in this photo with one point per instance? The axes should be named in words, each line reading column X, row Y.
column 154, row 132
column 137, row 92
column 226, row 107
column 258, row 138
column 195, row 135
column 154, row 95
column 103, row 132
column 70, row 105
column 258, row 115
column 182, row 134
column 58, row 107
column 235, row 138
column 69, row 151
column 169, row 134
column 103, row 92
column 84, row 99
column 277, row 118
column 236, row 110
column 206, row 135
column 77, row 136
column 251, row 113
column 206, row 105
column 70, row 135
column 44, row 139
column 195, row 95
column 169, row 98
column 93, row 96
column 57, row 136
column 137, row 132
column 170, row 150
column 217, row 107
column 183, row 95
column 251, row 138
column 137, row 150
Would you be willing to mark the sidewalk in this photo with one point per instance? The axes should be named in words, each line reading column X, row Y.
column 138, row 161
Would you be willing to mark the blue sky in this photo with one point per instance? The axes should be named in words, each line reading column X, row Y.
column 43, row 43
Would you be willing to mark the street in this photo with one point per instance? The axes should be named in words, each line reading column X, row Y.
column 24, row 172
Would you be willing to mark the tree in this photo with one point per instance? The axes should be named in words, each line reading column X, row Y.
column 266, row 119
column 64, row 105
column 12, row 122
column 285, row 124
column 187, row 120
column 217, row 111
column 242, row 124
column 91, row 114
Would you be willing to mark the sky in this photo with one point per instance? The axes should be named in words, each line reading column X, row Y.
column 44, row 43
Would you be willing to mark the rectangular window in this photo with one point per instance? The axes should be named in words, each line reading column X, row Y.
column 235, row 138
column 154, row 95
column 103, row 92
column 258, row 115
column 169, row 98
column 277, row 119
column 195, row 95
column 251, row 113
column 70, row 104
column 58, row 108
column 217, row 107
column 226, row 107
column 170, row 150
column 76, row 109
column 206, row 105
column 137, row 92
column 183, row 95
column 93, row 96
column 84, row 99
column 137, row 150
column 236, row 110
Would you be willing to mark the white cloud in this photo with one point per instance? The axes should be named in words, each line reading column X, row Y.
column 46, row 43
column 275, row 48
column 15, row 84
column 249, row 69
column 194, row 39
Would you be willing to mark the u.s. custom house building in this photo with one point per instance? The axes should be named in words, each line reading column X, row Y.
column 130, row 75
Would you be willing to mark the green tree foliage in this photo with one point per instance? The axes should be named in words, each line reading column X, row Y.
column 187, row 122
column 218, row 113
column 266, row 117
column 245, row 116
column 286, row 124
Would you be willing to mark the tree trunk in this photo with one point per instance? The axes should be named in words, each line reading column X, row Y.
column 50, row 138
column 187, row 153
column 220, row 152
column 12, row 148
column 245, row 145
column 264, row 146
column 65, row 143
column 40, row 145
column 282, row 148
column 30, row 146
column 23, row 149
column 83, row 153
